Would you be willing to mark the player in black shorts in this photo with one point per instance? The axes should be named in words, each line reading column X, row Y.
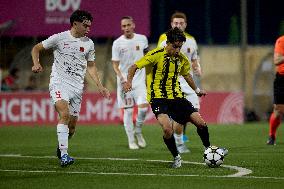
column 163, row 67
column 178, row 109
column 278, row 107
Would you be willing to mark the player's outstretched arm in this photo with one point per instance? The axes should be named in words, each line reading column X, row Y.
column 127, row 86
column 115, row 65
column 92, row 70
column 196, row 67
column 35, row 57
column 190, row 82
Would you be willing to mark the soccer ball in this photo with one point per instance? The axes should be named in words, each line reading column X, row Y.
column 213, row 156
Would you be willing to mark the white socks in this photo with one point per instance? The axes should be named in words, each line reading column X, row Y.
column 128, row 124
column 178, row 138
column 140, row 119
column 62, row 136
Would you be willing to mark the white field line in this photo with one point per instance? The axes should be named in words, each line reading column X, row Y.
column 241, row 172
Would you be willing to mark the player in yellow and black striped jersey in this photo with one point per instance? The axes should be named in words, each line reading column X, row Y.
column 163, row 72
column 190, row 50
column 163, row 66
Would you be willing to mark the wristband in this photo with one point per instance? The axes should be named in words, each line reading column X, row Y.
column 197, row 90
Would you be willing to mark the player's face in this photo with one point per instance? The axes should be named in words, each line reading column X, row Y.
column 179, row 23
column 173, row 49
column 82, row 28
column 127, row 27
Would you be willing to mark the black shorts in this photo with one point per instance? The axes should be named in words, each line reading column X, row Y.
column 278, row 89
column 178, row 109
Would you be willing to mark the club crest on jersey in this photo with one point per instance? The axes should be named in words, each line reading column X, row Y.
column 137, row 48
column 188, row 50
column 82, row 49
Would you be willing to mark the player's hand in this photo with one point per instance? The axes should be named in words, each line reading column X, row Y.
column 127, row 86
column 201, row 93
column 37, row 68
column 105, row 92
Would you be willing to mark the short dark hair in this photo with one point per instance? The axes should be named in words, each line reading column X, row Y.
column 179, row 15
column 80, row 16
column 174, row 35
column 127, row 17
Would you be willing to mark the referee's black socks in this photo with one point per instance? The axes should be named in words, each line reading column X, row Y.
column 171, row 144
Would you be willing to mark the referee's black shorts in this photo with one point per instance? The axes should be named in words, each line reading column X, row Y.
column 178, row 109
column 278, row 89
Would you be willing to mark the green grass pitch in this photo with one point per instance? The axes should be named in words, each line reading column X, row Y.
column 103, row 160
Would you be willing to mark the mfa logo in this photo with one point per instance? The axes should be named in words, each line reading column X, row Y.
column 62, row 5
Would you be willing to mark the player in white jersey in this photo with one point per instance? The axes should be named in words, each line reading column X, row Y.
column 126, row 50
column 74, row 54
column 189, row 48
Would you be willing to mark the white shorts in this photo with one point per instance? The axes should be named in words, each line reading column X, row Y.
column 59, row 91
column 136, row 96
column 194, row 99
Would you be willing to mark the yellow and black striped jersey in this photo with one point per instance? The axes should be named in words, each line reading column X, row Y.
column 162, row 73
column 189, row 49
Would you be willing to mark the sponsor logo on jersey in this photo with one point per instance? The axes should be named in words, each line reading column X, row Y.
column 137, row 48
column 188, row 50
column 82, row 49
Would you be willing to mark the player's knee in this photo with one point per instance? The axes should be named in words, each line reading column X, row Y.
column 179, row 129
column 65, row 116
column 201, row 125
column 168, row 132
column 278, row 111
column 141, row 114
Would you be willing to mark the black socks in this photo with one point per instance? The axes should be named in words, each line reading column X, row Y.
column 204, row 135
column 171, row 144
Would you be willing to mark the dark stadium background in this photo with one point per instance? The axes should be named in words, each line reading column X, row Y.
column 209, row 20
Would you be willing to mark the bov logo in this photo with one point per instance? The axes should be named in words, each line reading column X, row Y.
column 62, row 5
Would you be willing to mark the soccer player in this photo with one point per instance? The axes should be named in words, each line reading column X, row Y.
column 74, row 54
column 278, row 109
column 126, row 50
column 163, row 67
column 189, row 49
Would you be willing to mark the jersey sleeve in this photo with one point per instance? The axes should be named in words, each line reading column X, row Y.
column 144, row 61
column 185, row 69
column 91, row 56
column 51, row 41
column 195, row 51
column 146, row 43
column 279, row 46
column 115, row 52
column 162, row 40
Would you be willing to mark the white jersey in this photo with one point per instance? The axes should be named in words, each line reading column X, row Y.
column 189, row 48
column 70, row 58
column 127, row 52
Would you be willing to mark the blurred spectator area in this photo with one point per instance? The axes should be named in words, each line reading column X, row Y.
column 16, row 52
column 220, row 64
